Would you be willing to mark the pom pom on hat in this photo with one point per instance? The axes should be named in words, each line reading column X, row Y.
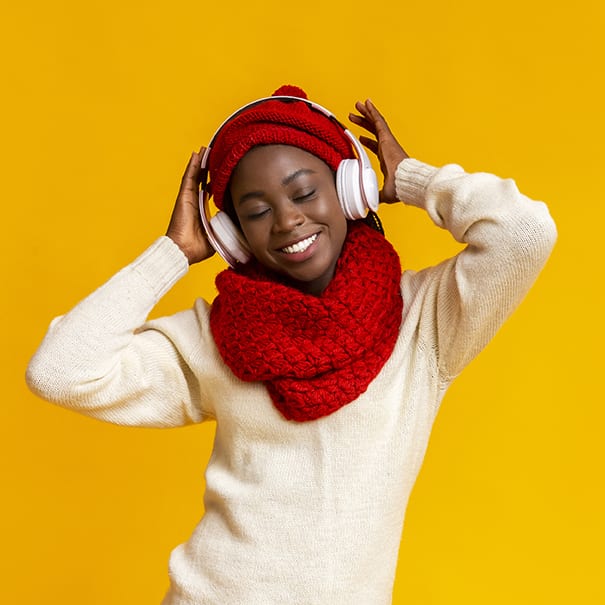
column 275, row 122
column 290, row 91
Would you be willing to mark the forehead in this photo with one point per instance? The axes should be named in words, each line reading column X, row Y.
column 272, row 163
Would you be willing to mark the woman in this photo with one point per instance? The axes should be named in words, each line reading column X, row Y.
column 321, row 363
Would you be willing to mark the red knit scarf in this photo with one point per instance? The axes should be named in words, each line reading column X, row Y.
column 314, row 353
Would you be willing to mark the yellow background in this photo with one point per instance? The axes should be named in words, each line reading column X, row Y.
column 102, row 103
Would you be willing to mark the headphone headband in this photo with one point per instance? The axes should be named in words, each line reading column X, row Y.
column 356, row 185
column 360, row 152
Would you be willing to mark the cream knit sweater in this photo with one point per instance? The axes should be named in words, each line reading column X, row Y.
column 301, row 513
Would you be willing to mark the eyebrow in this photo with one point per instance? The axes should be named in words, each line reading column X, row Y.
column 295, row 175
column 285, row 181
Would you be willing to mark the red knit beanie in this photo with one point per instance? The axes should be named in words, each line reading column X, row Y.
column 275, row 122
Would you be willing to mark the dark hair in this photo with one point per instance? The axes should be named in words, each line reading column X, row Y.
column 229, row 208
column 373, row 220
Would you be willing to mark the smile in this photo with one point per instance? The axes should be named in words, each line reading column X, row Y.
column 300, row 246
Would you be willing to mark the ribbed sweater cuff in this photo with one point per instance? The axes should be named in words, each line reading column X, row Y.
column 411, row 180
column 161, row 265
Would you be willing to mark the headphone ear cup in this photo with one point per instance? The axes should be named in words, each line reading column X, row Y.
column 370, row 188
column 349, row 190
column 228, row 240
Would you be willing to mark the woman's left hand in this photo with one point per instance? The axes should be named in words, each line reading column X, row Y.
column 385, row 146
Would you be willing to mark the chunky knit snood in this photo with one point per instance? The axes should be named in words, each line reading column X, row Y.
column 314, row 353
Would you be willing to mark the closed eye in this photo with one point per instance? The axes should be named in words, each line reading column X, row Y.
column 305, row 196
column 256, row 215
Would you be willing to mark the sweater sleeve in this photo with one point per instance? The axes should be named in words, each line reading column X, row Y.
column 508, row 239
column 97, row 360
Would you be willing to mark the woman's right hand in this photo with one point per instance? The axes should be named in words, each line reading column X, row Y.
column 185, row 228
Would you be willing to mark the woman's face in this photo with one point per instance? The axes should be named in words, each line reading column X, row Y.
column 286, row 202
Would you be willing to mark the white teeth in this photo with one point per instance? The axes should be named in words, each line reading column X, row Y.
column 300, row 246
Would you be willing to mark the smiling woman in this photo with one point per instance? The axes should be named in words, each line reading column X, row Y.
column 286, row 203
column 322, row 363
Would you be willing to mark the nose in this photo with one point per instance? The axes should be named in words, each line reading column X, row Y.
column 287, row 217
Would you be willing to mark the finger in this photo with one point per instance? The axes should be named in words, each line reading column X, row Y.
column 377, row 117
column 374, row 121
column 363, row 122
column 361, row 108
column 355, row 118
column 191, row 176
column 192, row 164
column 370, row 144
column 201, row 154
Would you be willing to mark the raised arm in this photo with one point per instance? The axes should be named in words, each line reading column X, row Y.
column 508, row 239
column 97, row 360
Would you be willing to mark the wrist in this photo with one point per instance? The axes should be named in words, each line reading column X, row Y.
column 411, row 180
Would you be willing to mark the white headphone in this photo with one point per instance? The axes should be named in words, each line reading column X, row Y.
column 356, row 186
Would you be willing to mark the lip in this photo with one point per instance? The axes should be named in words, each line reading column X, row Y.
column 298, row 257
column 295, row 241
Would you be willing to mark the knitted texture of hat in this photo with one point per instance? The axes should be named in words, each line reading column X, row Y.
column 315, row 354
column 275, row 122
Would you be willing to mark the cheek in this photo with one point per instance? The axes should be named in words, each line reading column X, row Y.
column 335, row 217
column 341, row 233
column 255, row 236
